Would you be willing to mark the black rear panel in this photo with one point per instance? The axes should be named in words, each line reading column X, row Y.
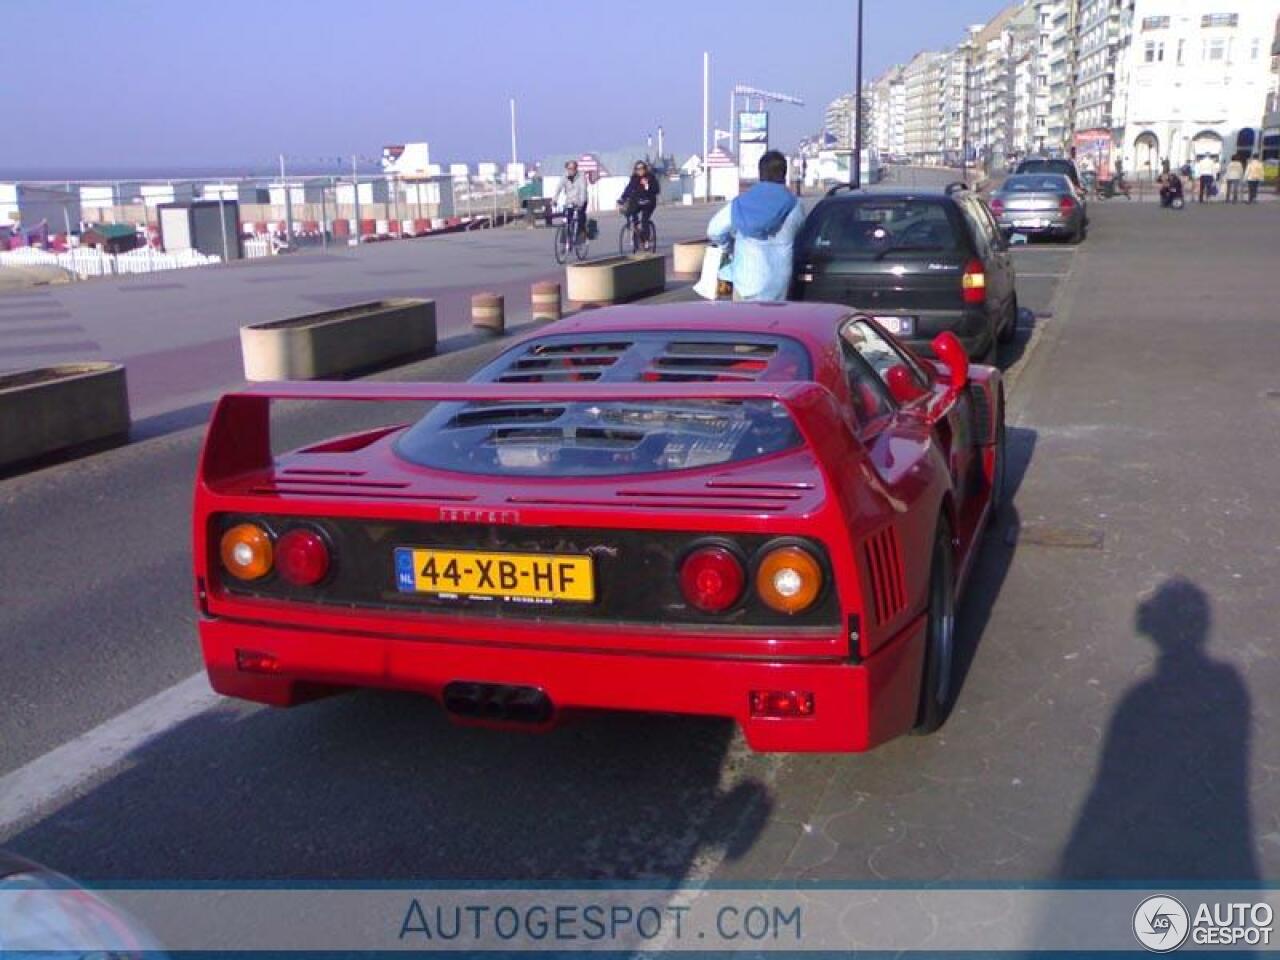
column 635, row 572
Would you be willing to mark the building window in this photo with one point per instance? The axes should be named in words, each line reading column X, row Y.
column 1220, row 20
column 1155, row 23
column 1153, row 52
column 1255, row 48
column 1181, row 46
column 1214, row 49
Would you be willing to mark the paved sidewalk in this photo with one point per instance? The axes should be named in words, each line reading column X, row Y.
column 1119, row 717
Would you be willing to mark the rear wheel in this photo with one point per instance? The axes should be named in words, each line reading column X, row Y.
column 649, row 237
column 937, row 683
column 1010, row 329
column 583, row 245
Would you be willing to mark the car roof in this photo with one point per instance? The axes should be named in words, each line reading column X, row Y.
column 892, row 194
column 812, row 324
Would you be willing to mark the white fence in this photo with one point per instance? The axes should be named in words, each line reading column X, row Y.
column 90, row 262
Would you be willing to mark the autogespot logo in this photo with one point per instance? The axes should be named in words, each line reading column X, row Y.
column 1161, row 924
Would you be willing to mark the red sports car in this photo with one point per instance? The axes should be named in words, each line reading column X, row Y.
column 757, row 511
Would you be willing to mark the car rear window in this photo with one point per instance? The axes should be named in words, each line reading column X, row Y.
column 614, row 438
column 1049, row 183
column 875, row 228
column 1063, row 167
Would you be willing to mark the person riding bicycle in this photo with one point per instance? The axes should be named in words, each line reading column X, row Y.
column 640, row 197
column 573, row 187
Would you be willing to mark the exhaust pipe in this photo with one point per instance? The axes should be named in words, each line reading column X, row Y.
column 497, row 703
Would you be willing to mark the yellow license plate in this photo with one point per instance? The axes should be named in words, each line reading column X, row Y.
column 512, row 576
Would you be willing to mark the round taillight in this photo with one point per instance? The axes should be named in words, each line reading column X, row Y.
column 711, row 579
column 302, row 557
column 246, row 551
column 789, row 579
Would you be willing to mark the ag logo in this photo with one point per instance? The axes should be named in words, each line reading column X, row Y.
column 1161, row 924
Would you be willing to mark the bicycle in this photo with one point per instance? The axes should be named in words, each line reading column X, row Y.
column 573, row 235
column 637, row 234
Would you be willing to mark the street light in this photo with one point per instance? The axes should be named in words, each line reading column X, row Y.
column 857, row 111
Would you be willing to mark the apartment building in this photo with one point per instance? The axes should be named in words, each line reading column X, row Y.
column 888, row 102
column 922, row 81
column 1198, row 73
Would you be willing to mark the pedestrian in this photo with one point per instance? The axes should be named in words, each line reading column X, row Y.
column 1253, row 175
column 1207, row 171
column 762, row 225
column 1233, row 175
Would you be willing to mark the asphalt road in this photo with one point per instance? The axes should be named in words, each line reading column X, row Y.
column 1143, row 430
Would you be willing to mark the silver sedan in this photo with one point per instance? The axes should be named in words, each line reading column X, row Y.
column 1041, row 204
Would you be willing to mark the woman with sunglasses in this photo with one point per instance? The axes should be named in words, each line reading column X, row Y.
column 638, row 201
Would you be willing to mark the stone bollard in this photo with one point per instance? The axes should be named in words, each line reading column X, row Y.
column 546, row 300
column 488, row 312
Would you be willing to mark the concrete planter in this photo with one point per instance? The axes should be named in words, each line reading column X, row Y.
column 687, row 255
column 48, row 409
column 616, row 279
column 338, row 342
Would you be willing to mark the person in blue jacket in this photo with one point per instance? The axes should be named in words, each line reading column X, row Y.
column 762, row 225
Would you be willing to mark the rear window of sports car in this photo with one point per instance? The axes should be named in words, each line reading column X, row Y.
column 584, row 439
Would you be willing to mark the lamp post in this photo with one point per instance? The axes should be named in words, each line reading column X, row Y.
column 857, row 110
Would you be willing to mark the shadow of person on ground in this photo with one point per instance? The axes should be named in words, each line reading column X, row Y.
column 1170, row 801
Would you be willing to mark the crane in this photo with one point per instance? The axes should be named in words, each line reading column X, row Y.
column 755, row 95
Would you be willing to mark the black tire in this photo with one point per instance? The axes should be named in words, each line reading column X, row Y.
column 998, row 484
column 626, row 239
column 562, row 250
column 649, row 240
column 937, row 679
column 1009, row 332
column 582, row 248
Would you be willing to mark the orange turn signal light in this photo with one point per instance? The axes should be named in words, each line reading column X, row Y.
column 246, row 551
column 789, row 579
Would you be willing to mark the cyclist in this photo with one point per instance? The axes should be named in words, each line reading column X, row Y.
column 573, row 187
column 640, row 197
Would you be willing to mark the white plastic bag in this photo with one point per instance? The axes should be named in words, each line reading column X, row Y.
column 708, row 282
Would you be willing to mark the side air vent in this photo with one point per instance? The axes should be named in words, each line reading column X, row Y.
column 981, row 412
column 884, row 563
column 560, row 362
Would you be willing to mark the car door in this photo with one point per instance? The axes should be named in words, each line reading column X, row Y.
column 903, row 406
column 920, row 445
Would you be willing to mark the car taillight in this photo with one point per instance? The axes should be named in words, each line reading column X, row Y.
column 712, row 578
column 246, row 551
column 1066, row 205
column 973, row 282
column 789, row 579
column 302, row 557
column 781, row 703
column 997, row 207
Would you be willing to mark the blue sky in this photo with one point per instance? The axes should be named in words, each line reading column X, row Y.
column 157, row 82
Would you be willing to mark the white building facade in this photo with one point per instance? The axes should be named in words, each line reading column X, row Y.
column 1198, row 73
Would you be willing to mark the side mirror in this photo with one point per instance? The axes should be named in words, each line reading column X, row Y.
column 903, row 386
column 950, row 350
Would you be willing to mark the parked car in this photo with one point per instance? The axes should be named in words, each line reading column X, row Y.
column 764, row 512
column 1041, row 204
column 920, row 262
column 1062, row 165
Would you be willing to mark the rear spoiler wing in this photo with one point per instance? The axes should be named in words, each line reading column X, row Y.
column 239, row 436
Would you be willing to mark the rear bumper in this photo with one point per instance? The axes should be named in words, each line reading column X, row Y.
column 1055, row 225
column 972, row 327
column 856, row 706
